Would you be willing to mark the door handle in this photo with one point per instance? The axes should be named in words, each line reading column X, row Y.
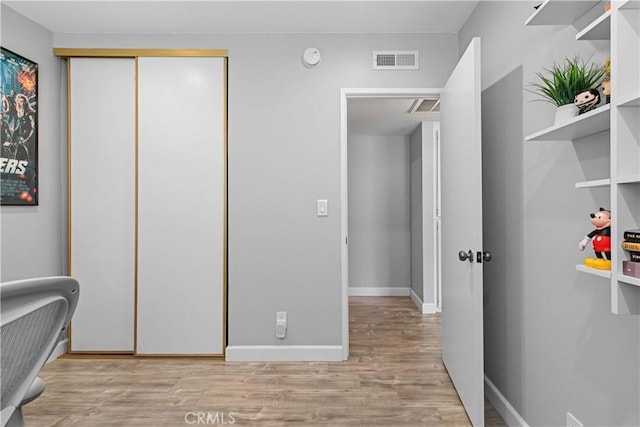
column 465, row 256
column 483, row 256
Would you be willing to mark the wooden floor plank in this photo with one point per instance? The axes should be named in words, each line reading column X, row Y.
column 394, row 377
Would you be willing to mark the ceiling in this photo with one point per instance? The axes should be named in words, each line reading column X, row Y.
column 247, row 16
column 372, row 116
column 384, row 116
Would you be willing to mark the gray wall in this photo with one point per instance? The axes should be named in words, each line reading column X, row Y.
column 379, row 211
column 284, row 154
column 34, row 237
column 415, row 158
column 551, row 342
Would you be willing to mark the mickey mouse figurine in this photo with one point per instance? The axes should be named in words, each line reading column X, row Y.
column 601, row 240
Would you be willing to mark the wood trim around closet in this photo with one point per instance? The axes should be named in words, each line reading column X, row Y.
column 64, row 52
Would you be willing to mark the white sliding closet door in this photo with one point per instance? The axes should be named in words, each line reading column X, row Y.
column 181, row 202
column 102, row 202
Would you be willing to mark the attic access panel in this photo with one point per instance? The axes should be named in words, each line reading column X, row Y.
column 425, row 105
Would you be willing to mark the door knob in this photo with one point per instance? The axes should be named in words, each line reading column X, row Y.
column 465, row 256
column 483, row 256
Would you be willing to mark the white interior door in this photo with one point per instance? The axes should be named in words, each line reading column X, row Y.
column 181, row 204
column 462, row 249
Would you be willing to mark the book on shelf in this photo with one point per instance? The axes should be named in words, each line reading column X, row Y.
column 630, row 268
column 634, row 256
column 631, row 246
column 632, row 235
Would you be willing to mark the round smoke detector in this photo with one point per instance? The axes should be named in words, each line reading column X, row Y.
column 311, row 57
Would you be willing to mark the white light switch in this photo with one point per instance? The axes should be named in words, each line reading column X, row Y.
column 323, row 208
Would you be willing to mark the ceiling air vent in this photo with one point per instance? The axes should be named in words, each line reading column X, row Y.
column 395, row 60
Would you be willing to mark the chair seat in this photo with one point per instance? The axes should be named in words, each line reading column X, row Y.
column 34, row 391
column 34, row 314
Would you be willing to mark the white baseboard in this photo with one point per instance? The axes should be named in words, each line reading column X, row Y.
column 430, row 308
column 425, row 308
column 284, row 353
column 508, row 413
column 59, row 350
column 374, row 291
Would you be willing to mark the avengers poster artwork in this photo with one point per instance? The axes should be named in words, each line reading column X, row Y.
column 19, row 139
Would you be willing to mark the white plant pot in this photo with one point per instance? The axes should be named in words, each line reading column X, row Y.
column 565, row 113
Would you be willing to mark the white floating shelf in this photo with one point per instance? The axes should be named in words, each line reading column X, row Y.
column 630, row 179
column 594, row 183
column 631, row 101
column 600, row 29
column 556, row 12
column 594, row 121
column 594, row 271
column 628, row 280
column 630, row 4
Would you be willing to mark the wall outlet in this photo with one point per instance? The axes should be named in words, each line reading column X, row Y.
column 573, row 421
column 281, row 324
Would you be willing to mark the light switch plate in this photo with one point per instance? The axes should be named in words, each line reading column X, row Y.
column 323, row 208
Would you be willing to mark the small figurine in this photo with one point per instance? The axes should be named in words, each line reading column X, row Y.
column 605, row 86
column 601, row 240
column 606, row 90
column 587, row 100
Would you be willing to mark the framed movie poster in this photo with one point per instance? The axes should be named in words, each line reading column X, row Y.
column 19, row 140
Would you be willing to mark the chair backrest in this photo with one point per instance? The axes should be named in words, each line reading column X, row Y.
column 33, row 313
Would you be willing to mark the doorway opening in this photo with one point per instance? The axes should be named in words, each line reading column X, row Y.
column 461, row 176
column 392, row 144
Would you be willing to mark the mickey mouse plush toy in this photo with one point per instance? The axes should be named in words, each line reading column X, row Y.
column 601, row 240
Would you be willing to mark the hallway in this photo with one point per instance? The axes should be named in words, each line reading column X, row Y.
column 394, row 377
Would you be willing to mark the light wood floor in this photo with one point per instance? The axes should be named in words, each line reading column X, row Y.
column 394, row 377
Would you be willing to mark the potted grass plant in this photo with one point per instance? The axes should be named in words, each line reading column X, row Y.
column 560, row 83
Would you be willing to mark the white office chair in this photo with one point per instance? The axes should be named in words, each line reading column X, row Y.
column 33, row 313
